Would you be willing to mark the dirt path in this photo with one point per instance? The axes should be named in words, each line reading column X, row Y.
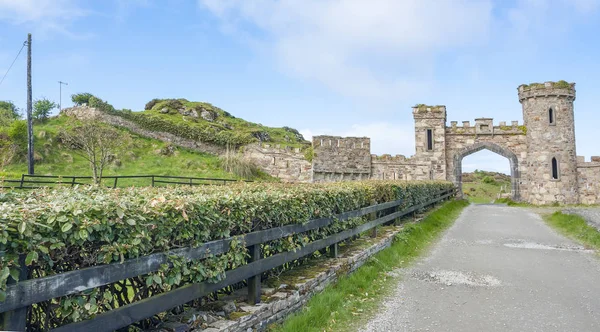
column 497, row 269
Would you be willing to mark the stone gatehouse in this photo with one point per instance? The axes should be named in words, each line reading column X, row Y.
column 544, row 165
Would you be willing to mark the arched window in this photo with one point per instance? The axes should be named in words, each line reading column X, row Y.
column 551, row 116
column 554, row 169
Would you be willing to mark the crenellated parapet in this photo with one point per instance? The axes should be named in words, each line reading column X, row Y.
column 422, row 111
column 387, row 158
column 547, row 89
column 485, row 126
column 338, row 142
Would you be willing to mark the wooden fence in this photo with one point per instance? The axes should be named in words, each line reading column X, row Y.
column 38, row 181
column 27, row 292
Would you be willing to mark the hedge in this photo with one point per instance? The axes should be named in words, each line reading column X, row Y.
column 68, row 229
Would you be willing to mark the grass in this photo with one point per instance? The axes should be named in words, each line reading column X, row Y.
column 574, row 227
column 144, row 157
column 282, row 136
column 348, row 303
column 484, row 187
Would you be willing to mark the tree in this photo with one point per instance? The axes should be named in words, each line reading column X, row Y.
column 81, row 98
column 97, row 143
column 42, row 108
column 8, row 113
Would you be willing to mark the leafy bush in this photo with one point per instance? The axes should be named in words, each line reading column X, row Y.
column 8, row 112
column 17, row 132
column 81, row 98
column 72, row 228
column 489, row 180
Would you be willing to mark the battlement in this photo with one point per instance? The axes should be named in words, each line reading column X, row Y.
column 341, row 142
column 486, row 126
column 429, row 111
column 389, row 158
column 594, row 161
column 547, row 89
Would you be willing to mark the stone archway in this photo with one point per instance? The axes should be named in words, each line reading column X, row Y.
column 514, row 165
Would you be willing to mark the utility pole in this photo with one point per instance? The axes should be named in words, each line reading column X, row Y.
column 60, row 95
column 29, row 110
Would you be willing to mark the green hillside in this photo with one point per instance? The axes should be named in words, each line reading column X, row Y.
column 484, row 187
column 195, row 120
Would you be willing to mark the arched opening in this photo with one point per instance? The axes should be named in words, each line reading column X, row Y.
column 512, row 161
column 551, row 116
column 555, row 173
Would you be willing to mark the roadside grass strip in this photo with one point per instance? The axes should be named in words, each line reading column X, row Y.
column 575, row 227
column 355, row 297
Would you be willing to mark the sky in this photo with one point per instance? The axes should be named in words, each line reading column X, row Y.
column 335, row 67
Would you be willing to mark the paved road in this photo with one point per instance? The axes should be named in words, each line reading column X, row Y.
column 497, row 269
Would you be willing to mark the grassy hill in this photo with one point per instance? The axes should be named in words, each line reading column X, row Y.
column 484, row 187
column 146, row 156
column 196, row 120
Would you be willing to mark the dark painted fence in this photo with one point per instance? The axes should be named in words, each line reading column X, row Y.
column 28, row 292
column 39, row 181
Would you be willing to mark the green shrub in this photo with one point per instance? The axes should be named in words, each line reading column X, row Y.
column 72, row 228
column 489, row 180
column 17, row 132
column 81, row 98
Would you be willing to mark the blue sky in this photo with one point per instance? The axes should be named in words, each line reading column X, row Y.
column 344, row 67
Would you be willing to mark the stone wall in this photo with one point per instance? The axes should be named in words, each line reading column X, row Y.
column 341, row 158
column 287, row 164
column 589, row 180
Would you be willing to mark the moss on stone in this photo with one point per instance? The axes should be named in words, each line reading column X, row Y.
column 237, row 315
column 424, row 107
column 523, row 129
column 562, row 84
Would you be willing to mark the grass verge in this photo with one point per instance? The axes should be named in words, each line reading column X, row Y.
column 346, row 304
column 574, row 227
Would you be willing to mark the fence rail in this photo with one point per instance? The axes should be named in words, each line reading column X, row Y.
column 31, row 181
column 28, row 292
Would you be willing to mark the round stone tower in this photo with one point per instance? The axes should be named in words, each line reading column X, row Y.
column 551, row 174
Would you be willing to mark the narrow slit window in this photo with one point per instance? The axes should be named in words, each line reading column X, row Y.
column 551, row 116
column 554, row 169
column 429, row 139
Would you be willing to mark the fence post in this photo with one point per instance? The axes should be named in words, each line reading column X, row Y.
column 73, row 182
column 254, row 282
column 152, row 180
column 22, row 179
column 115, row 184
column 373, row 217
column 16, row 320
column 333, row 250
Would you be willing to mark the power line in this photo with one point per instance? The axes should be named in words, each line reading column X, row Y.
column 15, row 60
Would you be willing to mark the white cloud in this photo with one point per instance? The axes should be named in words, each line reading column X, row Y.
column 374, row 49
column 48, row 16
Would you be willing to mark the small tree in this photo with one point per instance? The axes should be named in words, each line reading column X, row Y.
column 8, row 113
column 97, row 143
column 81, row 98
column 42, row 108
